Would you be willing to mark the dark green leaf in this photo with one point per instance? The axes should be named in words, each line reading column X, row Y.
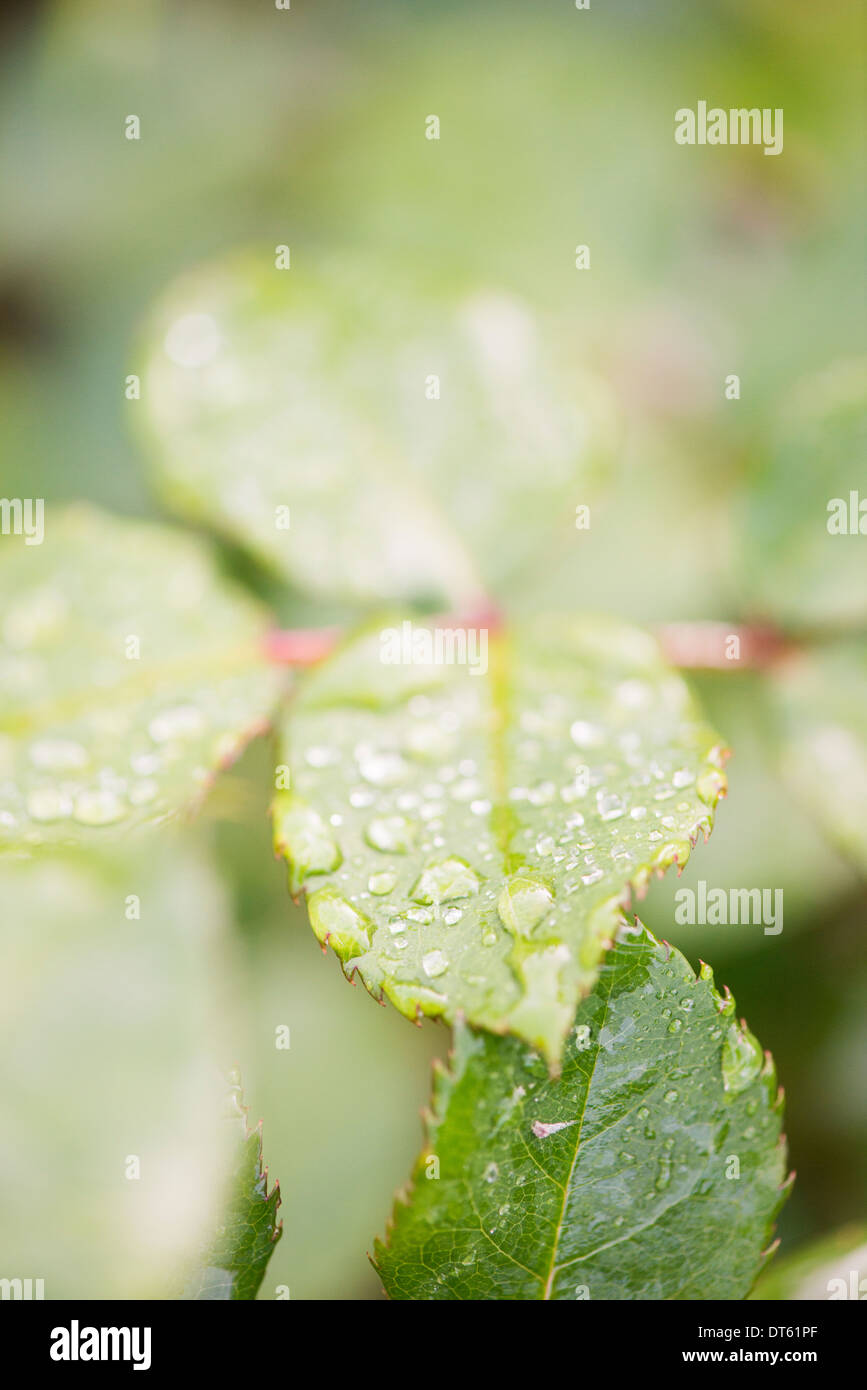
column 652, row 1169
column 232, row 1265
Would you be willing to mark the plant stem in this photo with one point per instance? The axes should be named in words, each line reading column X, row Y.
column 302, row 646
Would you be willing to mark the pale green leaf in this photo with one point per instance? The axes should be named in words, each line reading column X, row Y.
column 831, row 1268
column 652, row 1169
column 798, row 570
column 468, row 840
column 130, row 672
column 820, row 700
column 294, row 411
column 116, row 966
column 232, row 1263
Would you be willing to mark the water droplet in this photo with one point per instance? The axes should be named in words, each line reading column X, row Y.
column 675, row 1026
column 593, row 877
column 491, row 1173
column 380, row 884
column 523, row 903
column 586, row 735
column 609, row 805
column 452, row 915
column 48, row 804
column 664, row 1175
column 383, row 769
column 319, row 756
column 466, row 789
column 145, row 764
column 58, row 755
column 444, row 881
column 142, row 792
column 428, row 742
column 391, row 834
column 670, row 1097
column 542, row 795
column 98, row 807
column 360, row 797
column 183, row 721
column 421, row 915
column 434, row 963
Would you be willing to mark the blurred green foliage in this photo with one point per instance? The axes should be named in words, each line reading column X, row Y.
column 306, row 127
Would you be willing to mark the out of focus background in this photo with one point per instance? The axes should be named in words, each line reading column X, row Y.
column 307, row 128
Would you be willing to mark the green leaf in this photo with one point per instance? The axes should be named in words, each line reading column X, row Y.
column 308, row 390
column 232, row 1264
column 613, row 1182
column 95, row 738
column 113, row 1008
column 832, row 1267
column 468, row 840
column 799, row 572
column 821, row 729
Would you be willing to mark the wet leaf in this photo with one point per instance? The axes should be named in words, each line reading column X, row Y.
column 652, row 1169
column 363, row 438
column 130, row 672
column 821, row 731
column 468, row 840
column 232, row 1264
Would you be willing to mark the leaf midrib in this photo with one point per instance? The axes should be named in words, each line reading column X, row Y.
column 555, row 1244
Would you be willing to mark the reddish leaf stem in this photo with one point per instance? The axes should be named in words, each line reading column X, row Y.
column 691, row 645
column 301, row 646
